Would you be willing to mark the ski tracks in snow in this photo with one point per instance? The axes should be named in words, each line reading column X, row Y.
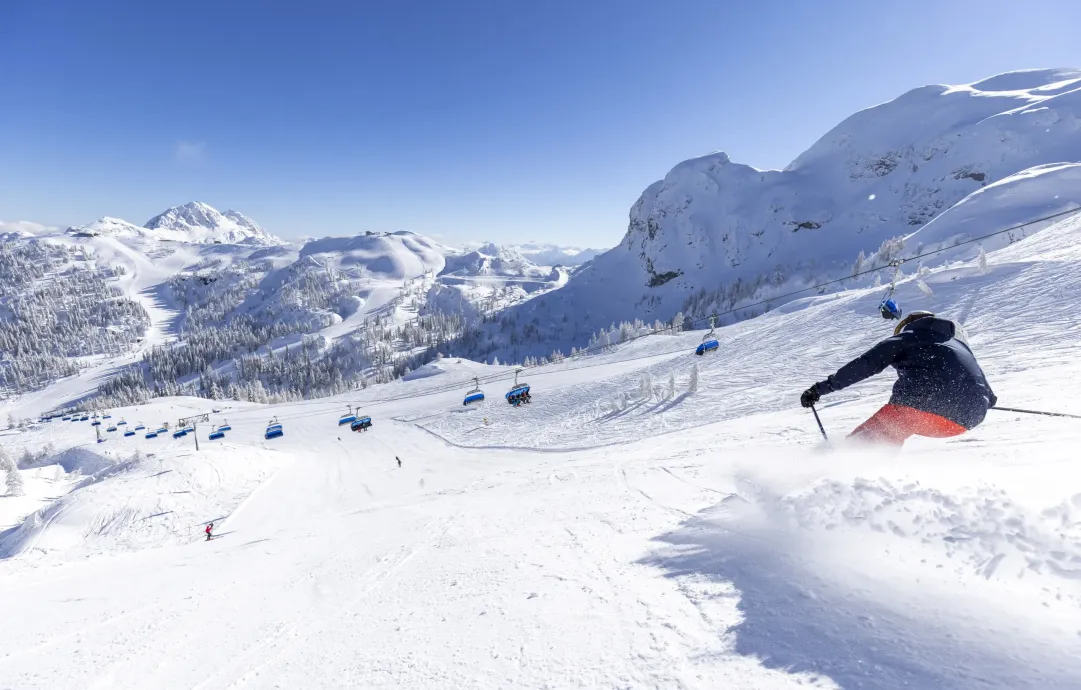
column 259, row 657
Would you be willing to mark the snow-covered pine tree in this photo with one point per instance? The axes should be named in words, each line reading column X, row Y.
column 692, row 385
column 645, row 387
column 671, row 385
column 14, row 481
column 857, row 268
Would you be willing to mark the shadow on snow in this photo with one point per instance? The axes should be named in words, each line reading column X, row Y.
column 795, row 621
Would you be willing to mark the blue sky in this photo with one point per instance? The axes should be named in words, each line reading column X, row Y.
column 491, row 119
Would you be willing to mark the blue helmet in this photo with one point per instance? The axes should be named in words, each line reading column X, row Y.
column 889, row 309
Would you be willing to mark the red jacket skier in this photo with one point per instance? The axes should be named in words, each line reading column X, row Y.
column 940, row 391
column 208, row 528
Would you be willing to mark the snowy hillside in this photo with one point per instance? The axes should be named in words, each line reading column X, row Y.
column 548, row 254
column 651, row 519
column 191, row 305
column 491, row 259
column 490, row 279
column 715, row 234
column 110, row 227
column 391, row 256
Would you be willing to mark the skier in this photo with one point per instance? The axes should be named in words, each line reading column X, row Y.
column 209, row 527
column 940, row 391
column 399, row 460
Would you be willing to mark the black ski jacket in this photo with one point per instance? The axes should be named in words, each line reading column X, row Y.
column 936, row 372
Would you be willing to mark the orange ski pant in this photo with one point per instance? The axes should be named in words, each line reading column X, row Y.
column 894, row 424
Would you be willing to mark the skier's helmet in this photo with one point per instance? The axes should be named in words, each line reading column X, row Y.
column 889, row 309
column 914, row 316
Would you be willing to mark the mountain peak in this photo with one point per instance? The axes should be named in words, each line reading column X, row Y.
column 196, row 221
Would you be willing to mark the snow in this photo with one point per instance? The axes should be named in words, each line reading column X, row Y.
column 702, row 541
column 18, row 230
column 542, row 253
column 199, row 222
column 1036, row 192
column 397, row 256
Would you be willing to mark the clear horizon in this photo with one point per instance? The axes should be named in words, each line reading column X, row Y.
column 473, row 122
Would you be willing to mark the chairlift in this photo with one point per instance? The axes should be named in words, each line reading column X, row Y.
column 140, row 427
column 709, row 340
column 475, row 395
column 888, row 307
column 112, row 428
column 519, row 392
column 216, row 434
column 96, row 422
column 273, row 429
column 361, row 424
column 83, row 418
column 106, row 416
column 151, row 434
column 348, row 417
column 180, row 433
column 122, row 423
column 129, row 432
column 225, row 426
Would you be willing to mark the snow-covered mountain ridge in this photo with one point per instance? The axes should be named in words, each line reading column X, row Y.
column 715, row 233
column 545, row 253
column 194, row 222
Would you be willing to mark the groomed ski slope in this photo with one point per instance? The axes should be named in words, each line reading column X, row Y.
column 705, row 541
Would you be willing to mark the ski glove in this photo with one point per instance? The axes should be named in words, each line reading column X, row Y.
column 810, row 396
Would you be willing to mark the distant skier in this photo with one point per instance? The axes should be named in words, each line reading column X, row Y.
column 209, row 528
column 940, row 391
column 399, row 460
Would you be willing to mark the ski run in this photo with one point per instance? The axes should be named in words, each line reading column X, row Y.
column 651, row 519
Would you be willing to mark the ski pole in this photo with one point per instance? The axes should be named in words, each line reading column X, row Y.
column 1039, row 412
column 820, row 427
